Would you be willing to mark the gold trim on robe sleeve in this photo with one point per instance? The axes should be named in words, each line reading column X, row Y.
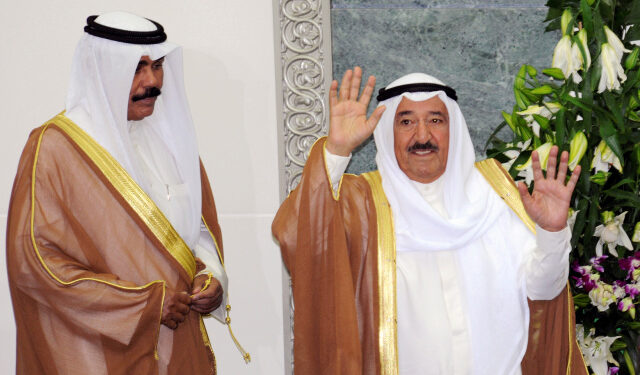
column 131, row 192
column 502, row 183
column 387, row 305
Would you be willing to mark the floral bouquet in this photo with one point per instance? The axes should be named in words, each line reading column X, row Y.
column 588, row 103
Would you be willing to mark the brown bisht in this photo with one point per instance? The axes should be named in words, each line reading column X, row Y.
column 89, row 256
column 340, row 252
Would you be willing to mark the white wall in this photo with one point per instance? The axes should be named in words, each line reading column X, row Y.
column 229, row 74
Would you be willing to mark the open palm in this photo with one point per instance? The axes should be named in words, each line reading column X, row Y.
column 349, row 125
column 548, row 205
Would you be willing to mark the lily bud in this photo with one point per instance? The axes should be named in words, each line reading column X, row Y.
column 582, row 36
column 577, row 149
column 564, row 22
column 632, row 59
column 636, row 233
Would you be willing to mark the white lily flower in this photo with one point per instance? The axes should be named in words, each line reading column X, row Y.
column 567, row 57
column 526, row 169
column 612, row 233
column 513, row 154
column 596, row 350
column 547, row 111
column 611, row 69
column 604, row 158
column 615, row 42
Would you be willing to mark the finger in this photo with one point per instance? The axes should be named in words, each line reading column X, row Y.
column 183, row 298
column 524, row 194
column 333, row 94
column 535, row 165
column 373, row 120
column 344, row 86
column 179, row 318
column 574, row 179
column 368, row 91
column 562, row 170
column 179, row 308
column 355, row 83
column 170, row 323
column 551, row 163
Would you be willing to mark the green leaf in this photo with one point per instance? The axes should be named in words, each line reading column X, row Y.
column 543, row 121
column 633, row 325
column 577, row 102
column 617, row 345
column 554, row 73
column 507, row 117
column 521, row 78
column 633, row 17
column 560, row 127
column 626, row 181
column 615, row 109
column 581, row 300
column 553, row 13
column 542, row 90
column 610, row 136
column 626, row 196
column 531, row 71
column 521, row 99
column 633, row 116
column 587, row 18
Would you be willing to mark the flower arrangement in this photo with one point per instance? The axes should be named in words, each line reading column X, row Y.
column 588, row 103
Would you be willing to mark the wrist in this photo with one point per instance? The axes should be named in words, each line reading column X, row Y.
column 337, row 150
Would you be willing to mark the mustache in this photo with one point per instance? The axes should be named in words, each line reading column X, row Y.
column 151, row 92
column 423, row 146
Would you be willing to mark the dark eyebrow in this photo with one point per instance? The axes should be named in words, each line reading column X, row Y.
column 437, row 113
column 142, row 63
column 404, row 113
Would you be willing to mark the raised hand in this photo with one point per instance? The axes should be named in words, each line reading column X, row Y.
column 548, row 205
column 349, row 126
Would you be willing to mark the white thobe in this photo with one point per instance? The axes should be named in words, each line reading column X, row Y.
column 434, row 335
column 169, row 193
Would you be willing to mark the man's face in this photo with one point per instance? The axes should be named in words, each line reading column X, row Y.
column 421, row 138
column 147, row 82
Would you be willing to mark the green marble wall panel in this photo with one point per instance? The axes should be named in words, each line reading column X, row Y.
column 474, row 46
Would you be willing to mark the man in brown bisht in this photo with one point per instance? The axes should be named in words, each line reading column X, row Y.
column 114, row 250
column 433, row 264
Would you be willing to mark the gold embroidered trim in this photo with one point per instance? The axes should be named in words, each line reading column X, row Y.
column 132, row 194
column 76, row 281
column 502, row 183
column 388, row 330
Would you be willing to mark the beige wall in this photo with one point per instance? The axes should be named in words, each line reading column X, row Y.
column 229, row 74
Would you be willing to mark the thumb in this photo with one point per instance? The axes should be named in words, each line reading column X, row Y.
column 373, row 120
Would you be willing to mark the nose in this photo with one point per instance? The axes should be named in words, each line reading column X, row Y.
column 149, row 79
column 423, row 133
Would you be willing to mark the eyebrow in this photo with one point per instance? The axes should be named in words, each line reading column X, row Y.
column 407, row 113
column 145, row 63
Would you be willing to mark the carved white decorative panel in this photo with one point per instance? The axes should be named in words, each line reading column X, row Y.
column 303, row 71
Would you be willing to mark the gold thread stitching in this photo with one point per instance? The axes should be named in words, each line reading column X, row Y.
column 388, row 330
